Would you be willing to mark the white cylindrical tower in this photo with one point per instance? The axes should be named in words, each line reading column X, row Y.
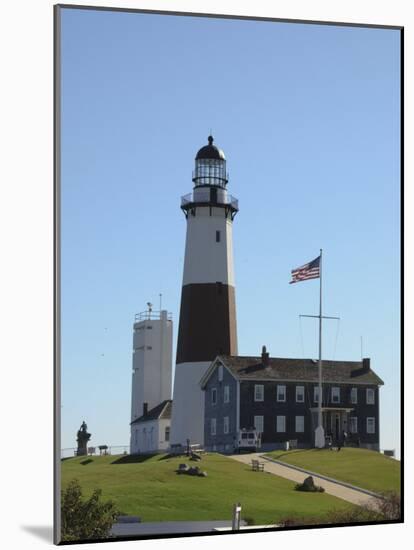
column 207, row 326
column 151, row 362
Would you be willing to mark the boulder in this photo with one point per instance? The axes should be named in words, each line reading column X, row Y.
column 183, row 468
column 309, row 483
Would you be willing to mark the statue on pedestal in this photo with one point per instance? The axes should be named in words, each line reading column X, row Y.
column 82, row 439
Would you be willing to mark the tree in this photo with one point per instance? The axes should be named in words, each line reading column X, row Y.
column 85, row 519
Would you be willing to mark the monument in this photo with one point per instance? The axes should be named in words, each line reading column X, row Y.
column 82, row 439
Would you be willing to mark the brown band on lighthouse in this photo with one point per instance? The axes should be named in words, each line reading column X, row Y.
column 207, row 322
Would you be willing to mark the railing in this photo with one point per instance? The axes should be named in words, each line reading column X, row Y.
column 111, row 450
column 151, row 314
column 228, row 199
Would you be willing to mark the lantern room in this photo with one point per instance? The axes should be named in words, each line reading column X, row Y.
column 210, row 166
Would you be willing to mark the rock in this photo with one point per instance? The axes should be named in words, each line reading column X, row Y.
column 202, row 474
column 309, row 486
column 193, row 471
column 183, row 469
column 309, row 483
column 195, row 456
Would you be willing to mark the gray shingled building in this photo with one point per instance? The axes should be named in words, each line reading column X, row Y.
column 279, row 398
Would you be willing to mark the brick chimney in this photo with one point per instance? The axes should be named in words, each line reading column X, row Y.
column 265, row 357
column 145, row 409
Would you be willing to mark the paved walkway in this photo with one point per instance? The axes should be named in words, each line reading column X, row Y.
column 336, row 489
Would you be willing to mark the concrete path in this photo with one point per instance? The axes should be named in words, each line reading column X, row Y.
column 334, row 488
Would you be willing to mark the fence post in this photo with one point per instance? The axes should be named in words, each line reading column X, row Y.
column 235, row 524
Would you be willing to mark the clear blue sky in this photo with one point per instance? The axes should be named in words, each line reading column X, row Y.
column 308, row 117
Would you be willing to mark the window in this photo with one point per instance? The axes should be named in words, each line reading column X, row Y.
column 226, row 394
column 281, row 423
column 258, row 423
column 220, row 373
column 354, row 396
column 213, row 396
column 258, row 392
column 316, row 394
column 353, row 425
column 217, row 236
column 281, row 393
column 300, row 424
column 167, row 433
column 300, row 394
column 226, row 425
column 149, row 327
column 370, row 425
column 335, row 395
column 149, row 347
column 213, row 426
column 370, row 396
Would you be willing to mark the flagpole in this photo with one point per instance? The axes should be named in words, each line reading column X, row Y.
column 320, row 344
column 319, row 433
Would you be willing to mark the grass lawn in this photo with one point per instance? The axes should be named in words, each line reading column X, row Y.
column 368, row 469
column 149, row 487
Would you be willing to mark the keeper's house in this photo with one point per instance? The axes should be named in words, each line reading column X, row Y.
column 279, row 398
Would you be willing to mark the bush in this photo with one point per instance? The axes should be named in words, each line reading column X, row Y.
column 388, row 507
column 85, row 519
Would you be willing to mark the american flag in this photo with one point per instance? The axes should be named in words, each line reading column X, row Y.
column 307, row 271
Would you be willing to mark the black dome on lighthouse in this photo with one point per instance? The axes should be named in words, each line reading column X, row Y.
column 210, row 151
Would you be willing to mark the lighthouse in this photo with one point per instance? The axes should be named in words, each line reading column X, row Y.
column 207, row 325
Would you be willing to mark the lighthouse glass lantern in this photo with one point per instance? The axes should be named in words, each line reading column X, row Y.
column 210, row 166
column 210, row 180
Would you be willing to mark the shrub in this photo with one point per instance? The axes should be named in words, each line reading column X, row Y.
column 388, row 507
column 85, row 519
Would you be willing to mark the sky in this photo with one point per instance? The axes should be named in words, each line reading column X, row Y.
column 308, row 118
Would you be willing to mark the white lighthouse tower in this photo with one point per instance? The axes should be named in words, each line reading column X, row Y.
column 207, row 326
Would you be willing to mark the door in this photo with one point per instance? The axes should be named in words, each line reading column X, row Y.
column 336, row 425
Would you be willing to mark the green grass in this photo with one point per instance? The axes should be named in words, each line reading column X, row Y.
column 151, row 489
column 367, row 469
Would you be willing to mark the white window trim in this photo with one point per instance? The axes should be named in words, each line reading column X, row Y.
column 226, row 424
column 213, row 426
column 373, row 422
column 303, row 424
column 370, row 391
column 332, row 394
column 213, row 392
column 303, row 394
column 315, row 391
column 354, row 396
column 351, row 420
column 262, row 392
column 226, row 394
column 284, row 393
column 262, row 423
column 284, row 424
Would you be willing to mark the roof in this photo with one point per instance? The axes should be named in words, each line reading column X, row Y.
column 161, row 411
column 288, row 369
column 210, row 151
